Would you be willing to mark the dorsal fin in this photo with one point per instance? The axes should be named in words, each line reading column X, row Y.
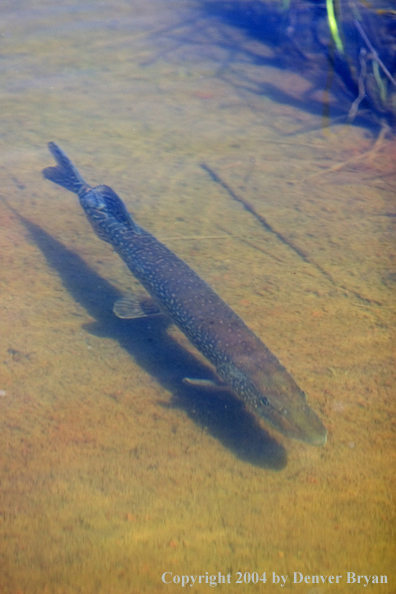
column 116, row 207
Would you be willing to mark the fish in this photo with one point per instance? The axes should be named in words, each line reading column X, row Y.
column 242, row 362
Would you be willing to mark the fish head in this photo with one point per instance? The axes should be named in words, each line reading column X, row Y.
column 271, row 392
column 279, row 400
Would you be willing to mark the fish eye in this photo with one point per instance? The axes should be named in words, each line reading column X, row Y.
column 263, row 401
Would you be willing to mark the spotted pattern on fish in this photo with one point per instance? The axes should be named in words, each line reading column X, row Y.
column 240, row 358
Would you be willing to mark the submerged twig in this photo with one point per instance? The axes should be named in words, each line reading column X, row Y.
column 361, row 86
column 250, row 208
column 252, row 245
column 375, row 56
column 304, row 256
column 370, row 153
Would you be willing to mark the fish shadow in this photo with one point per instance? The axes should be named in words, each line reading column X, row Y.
column 225, row 417
column 222, row 415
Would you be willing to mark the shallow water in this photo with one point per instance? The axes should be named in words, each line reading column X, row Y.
column 112, row 471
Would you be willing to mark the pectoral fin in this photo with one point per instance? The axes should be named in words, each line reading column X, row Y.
column 132, row 307
column 205, row 384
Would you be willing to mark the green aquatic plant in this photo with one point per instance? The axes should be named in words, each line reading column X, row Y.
column 331, row 18
column 359, row 32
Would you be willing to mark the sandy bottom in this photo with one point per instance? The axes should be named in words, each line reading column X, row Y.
column 112, row 471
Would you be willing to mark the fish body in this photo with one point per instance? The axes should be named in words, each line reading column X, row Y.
column 240, row 358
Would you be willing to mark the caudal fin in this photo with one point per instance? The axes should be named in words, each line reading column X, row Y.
column 64, row 174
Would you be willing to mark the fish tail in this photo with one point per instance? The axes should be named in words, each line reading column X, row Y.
column 64, row 174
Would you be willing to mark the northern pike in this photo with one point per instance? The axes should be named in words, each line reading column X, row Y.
column 241, row 360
